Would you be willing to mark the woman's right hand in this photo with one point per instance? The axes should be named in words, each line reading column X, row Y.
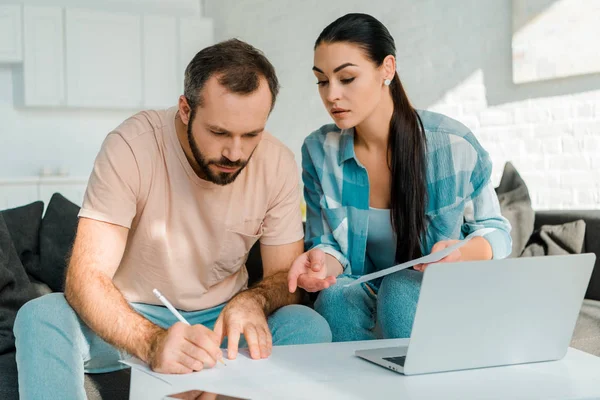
column 309, row 271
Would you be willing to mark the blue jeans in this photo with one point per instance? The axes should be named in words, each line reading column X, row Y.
column 55, row 347
column 353, row 312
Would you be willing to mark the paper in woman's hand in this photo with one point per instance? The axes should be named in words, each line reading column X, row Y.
column 431, row 258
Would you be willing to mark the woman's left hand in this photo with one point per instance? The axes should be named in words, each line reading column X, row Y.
column 455, row 256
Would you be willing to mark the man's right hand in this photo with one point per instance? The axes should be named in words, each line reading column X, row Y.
column 183, row 349
column 309, row 271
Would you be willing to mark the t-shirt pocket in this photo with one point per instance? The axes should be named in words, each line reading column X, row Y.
column 233, row 253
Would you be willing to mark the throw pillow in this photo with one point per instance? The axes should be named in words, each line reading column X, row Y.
column 515, row 206
column 57, row 234
column 554, row 240
column 15, row 288
column 23, row 224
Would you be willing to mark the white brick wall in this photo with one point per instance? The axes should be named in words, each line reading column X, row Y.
column 455, row 58
column 553, row 144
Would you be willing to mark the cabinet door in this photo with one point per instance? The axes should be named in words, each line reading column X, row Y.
column 161, row 75
column 10, row 34
column 44, row 56
column 194, row 35
column 104, row 59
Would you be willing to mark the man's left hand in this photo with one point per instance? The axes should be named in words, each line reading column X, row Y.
column 245, row 314
column 455, row 256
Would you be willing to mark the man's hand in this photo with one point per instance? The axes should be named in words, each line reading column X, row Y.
column 309, row 271
column 183, row 349
column 245, row 314
column 455, row 256
column 194, row 395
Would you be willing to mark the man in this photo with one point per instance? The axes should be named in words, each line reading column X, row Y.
column 175, row 202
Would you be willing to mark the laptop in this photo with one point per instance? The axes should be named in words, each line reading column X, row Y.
column 491, row 313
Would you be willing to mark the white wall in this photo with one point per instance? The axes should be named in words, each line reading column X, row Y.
column 64, row 140
column 453, row 57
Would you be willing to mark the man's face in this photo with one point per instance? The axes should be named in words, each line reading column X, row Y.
column 224, row 132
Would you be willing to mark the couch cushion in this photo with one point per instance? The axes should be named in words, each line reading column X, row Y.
column 15, row 288
column 112, row 385
column 587, row 330
column 592, row 238
column 57, row 234
column 515, row 206
column 9, row 384
column 254, row 265
column 23, row 223
column 555, row 240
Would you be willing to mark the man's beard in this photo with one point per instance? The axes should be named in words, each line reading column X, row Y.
column 220, row 178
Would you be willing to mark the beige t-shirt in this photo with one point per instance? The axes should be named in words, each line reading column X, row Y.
column 188, row 237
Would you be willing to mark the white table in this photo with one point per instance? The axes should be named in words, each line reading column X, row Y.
column 331, row 371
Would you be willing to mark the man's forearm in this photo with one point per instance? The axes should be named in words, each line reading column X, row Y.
column 273, row 293
column 104, row 309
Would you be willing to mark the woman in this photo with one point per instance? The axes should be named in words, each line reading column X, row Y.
column 386, row 185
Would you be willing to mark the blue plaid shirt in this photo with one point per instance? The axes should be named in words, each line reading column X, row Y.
column 461, row 198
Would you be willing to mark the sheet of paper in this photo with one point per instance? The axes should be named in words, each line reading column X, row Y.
column 244, row 377
column 295, row 362
column 174, row 379
column 431, row 258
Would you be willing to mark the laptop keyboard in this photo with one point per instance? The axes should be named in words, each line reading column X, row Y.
column 396, row 360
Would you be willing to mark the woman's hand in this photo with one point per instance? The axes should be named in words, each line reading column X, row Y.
column 455, row 256
column 309, row 271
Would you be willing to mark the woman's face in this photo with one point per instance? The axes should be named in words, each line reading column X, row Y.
column 350, row 85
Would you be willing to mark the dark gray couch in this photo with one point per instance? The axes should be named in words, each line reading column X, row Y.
column 56, row 232
column 587, row 331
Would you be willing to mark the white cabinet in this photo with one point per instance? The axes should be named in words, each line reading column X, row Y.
column 161, row 86
column 10, row 34
column 175, row 8
column 169, row 45
column 78, row 58
column 103, row 59
column 43, row 76
column 194, row 35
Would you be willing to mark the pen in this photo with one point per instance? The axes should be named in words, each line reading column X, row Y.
column 173, row 310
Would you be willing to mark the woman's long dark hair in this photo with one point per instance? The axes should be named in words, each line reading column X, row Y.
column 406, row 143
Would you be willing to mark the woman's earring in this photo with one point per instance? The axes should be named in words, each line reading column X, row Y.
column 387, row 82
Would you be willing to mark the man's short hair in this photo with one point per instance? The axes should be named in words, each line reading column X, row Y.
column 239, row 67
